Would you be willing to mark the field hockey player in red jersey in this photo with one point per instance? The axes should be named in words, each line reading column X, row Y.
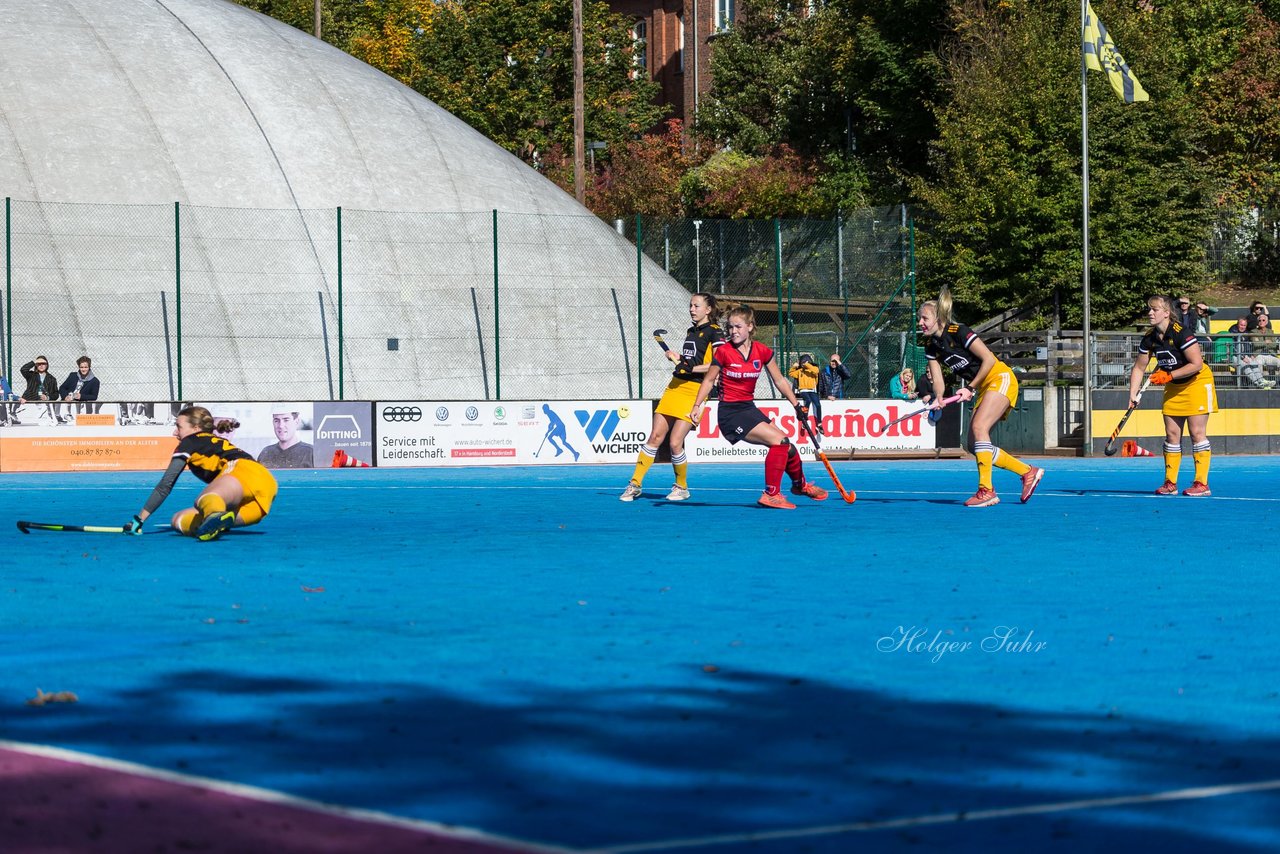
column 987, row 381
column 240, row 489
column 1190, row 395
column 738, row 364
column 671, row 416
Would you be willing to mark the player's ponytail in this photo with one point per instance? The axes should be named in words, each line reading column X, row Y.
column 713, row 307
column 203, row 419
column 943, row 308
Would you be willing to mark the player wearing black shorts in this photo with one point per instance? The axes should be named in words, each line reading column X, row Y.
column 738, row 363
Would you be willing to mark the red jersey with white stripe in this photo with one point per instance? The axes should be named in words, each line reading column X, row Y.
column 738, row 374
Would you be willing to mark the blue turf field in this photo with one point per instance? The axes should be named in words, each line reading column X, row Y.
column 517, row 651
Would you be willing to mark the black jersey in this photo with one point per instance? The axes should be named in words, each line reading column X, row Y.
column 951, row 349
column 207, row 455
column 1170, row 349
column 699, row 341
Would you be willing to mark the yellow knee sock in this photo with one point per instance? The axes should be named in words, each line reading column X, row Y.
column 187, row 520
column 1007, row 461
column 1201, row 454
column 644, row 459
column 984, row 451
column 1172, row 461
column 210, row 504
column 681, row 464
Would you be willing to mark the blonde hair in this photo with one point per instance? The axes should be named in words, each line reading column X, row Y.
column 941, row 307
column 1167, row 303
column 203, row 419
column 908, row 385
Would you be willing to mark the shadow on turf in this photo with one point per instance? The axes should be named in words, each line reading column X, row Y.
column 733, row 752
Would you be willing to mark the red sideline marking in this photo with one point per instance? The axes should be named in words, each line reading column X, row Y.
column 59, row 800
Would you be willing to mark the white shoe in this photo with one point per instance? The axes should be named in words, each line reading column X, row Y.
column 631, row 493
column 678, row 493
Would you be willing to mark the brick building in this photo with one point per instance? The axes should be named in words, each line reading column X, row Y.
column 677, row 37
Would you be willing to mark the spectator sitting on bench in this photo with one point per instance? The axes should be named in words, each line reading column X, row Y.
column 1263, row 348
column 81, row 387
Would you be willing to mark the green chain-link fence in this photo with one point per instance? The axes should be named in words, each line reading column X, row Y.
column 818, row 286
column 178, row 301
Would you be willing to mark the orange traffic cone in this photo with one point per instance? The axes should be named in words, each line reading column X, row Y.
column 341, row 460
column 1139, row 451
column 1127, row 447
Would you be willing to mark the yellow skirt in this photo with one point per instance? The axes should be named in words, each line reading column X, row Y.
column 257, row 482
column 1002, row 381
column 678, row 399
column 1197, row 396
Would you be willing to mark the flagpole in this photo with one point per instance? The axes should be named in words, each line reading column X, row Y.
column 1084, row 219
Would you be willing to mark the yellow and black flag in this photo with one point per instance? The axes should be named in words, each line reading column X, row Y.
column 1100, row 54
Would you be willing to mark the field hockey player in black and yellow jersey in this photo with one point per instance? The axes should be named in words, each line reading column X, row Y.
column 240, row 489
column 987, row 381
column 671, row 415
column 1189, row 393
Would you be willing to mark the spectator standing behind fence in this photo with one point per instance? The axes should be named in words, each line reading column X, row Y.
column 805, row 373
column 290, row 452
column 832, row 378
column 902, row 385
column 81, row 386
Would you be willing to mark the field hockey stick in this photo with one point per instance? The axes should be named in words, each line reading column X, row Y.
column 848, row 495
column 947, row 401
column 1110, row 449
column 26, row 528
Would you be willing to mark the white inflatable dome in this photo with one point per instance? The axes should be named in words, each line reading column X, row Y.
column 137, row 132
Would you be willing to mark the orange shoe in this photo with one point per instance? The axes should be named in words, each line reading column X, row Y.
column 817, row 493
column 1169, row 488
column 984, row 497
column 775, row 501
column 1030, row 481
column 1198, row 490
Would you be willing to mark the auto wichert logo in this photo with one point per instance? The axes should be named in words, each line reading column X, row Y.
column 599, row 424
column 601, row 427
column 401, row 413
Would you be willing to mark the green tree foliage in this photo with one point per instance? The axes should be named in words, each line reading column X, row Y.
column 503, row 66
column 734, row 185
column 1006, row 200
column 853, row 81
column 506, row 68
